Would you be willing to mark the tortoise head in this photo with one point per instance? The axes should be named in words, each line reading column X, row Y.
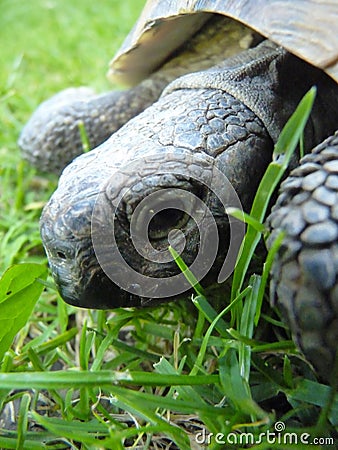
column 107, row 243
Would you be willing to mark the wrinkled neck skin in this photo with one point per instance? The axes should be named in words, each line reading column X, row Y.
column 169, row 175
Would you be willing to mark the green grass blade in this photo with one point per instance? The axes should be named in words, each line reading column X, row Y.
column 203, row 348
column 294, row 128
column 84, row 137
column 210, row 315
column 284, row 150
column 186, row 271
column 316, row 394
column 186, row 393
column 67, row 379
column 265, row 274
column 235, row 387
column 248, row 219
column 23, row 420
column 246, row 327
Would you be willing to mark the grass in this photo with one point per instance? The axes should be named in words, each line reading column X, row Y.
column 130, row 378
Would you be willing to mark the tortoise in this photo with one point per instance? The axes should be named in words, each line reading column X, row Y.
column 213, row 84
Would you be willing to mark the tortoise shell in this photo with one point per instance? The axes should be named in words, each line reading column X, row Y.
column 306, row 28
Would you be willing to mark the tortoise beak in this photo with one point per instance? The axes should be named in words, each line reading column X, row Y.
column 99, row 293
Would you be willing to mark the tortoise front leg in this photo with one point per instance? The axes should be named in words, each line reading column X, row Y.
column 51, row 139
column 305, row 273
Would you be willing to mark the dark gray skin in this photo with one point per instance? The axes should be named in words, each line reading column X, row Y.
column 232, row 112
column 252, row 94
column 66, row 223
column 305, row 273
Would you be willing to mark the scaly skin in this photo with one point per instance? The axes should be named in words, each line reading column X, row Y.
column 161, row 130
column 305, row 273
column 228, row 117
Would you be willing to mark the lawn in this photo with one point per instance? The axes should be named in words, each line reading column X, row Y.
column 148, row 378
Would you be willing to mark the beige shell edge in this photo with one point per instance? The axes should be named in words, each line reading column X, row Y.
column 307, row 28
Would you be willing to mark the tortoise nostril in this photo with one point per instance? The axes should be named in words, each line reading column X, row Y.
column 61, row 255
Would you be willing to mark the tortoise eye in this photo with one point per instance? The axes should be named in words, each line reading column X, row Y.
column 166, row 220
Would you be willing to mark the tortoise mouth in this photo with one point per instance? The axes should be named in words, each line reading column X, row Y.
column 99, row 293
